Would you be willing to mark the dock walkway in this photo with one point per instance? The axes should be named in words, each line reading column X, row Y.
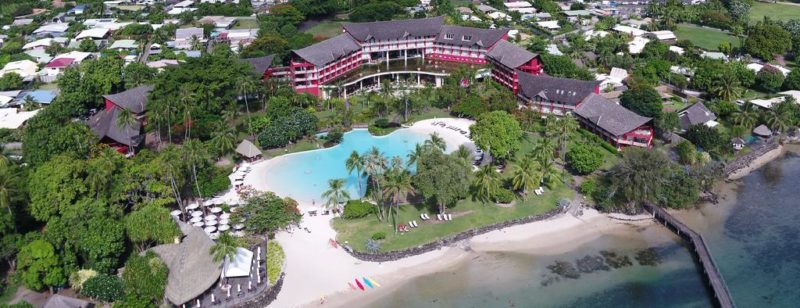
column 713, row 277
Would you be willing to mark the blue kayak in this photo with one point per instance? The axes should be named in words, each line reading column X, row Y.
column 367, row 282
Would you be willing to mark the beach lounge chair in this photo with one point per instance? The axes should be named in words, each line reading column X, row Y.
column 449, row 216
column 422, row 216
column 438, row 216
column 414, row 222
column 410, row 224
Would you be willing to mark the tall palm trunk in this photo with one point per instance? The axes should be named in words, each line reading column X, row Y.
column 249, row 119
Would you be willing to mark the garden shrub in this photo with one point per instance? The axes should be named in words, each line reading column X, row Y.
column 686, row 152
column 378, row 236
column 504, row 196
column 382, row 123
column 584, row 159
column 610, row 148
column 103, row 287
column 588, row 187
column 357, row 209
column 275, row 258
column 334, row 137
column 77, row 279
column 215, row 181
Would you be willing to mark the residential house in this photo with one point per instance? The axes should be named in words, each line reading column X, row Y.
column 262, row 66
column 13, row 118
column 219, row 22
column 631, row 31
column 24, row 68
column 77, row 10
column 551, row 25
column 238, row 37
column 551, row 95
column 44, row 43
column 124, row 45
column 696, row 114
column 184, row 37
column 664, row 36
column 40, row 55
column 524, row 7
column 51, row 30
column 105, row 124
column 39, row 96
column 93, row 34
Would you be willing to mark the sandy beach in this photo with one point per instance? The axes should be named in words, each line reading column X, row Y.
column 757, row 163
column 315, row 270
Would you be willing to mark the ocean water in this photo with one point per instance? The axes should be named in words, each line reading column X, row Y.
column 753, row 234
column 304, row 176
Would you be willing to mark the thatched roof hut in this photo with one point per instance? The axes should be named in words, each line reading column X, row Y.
column 248, row 149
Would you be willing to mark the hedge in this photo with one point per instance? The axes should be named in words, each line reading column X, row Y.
column 610, row 148
column 357, row 209
column 104, row 288
column 275, row 258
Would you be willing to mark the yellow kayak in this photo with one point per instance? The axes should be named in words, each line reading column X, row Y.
column 375, row 283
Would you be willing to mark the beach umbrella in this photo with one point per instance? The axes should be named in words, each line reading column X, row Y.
column 197, row 213
column 224, row 227
column 225, row 216
column 211, row 217
column 224, row 222
column 238, row 234
column 208, row 202
column 199, row 224
column 210, row 229
column 175, row 213
column 233, row 210
column 238, row 226
column 191, row 206
column 211, row 222
column 216, row 210
column 196, row 219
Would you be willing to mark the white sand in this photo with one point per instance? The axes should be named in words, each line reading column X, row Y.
column 757, row 163
column 316, row 270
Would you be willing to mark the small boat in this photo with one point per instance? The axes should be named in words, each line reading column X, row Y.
column 352, row 286
column 360, row 286
column 366, row 282
column 375, row 283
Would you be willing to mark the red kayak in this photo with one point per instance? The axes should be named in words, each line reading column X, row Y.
column 360, row 286
column 352, row 286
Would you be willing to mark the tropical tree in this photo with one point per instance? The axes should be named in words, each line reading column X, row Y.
column 498, row 133
column 125, row 121
column 436, row 142
column 747, row 116
column 550, row 174
column 355, row 162
column 726, row 87
column 194, row 153
column 8, row 187
column 486, row 183
column 526, row 175
column 222, row 141
column 415, row 154
column 544, row 150
column 566, row 126
column 224, row 249
column 639, row 176
column 464, row 153
column 245, row 84
column 187, row 100
column 336, row 194
column 375, row 163
column 397, row 184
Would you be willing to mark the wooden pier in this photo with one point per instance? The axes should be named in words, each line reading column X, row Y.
column 713, row 277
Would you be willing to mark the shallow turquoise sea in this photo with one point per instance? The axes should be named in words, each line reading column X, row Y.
column 754, row 235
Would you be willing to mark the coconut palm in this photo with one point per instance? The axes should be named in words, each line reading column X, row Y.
column 726, row 87
column 436, row 142
column 8, row 186
column 544, row 150
column 245, row 85
column 222, row 141
column 549, row 173
column 550, row 126
column 187, row 100
column 464, row 153
column 125, row 121
column 397, row 184
column 486, row 183
column 194, row 153
column 375, row 164
column 224, row 249
column 747, row 116
column 336, row 193
column 415, row 154
column 355, row 162
column 565, row 127
column 526, row 175
column 778, row 120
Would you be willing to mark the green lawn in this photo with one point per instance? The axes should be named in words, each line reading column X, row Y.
column 470, row 214
column 300, row 146
column 706, row 38
column 326, row 29
column 775, row 11
column 246, row 23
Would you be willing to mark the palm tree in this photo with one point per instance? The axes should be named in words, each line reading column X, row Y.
column 125, row 121
column 727, row 87
column 779, row 118
column 374, row 165
column 486, row 183
column 187, row 98
column 544, row 150
column 223, row 140
column 195, row 153
column 566, row 126
column 243, row 85
column 747, row 116
column 526, row 175
column 8, row 186
column 224, row 249
column 415, row 154
column 464, row 153
column 355, row 162
column 549, row 173
column 436, row 142
column 550, row 126
column 397, row 185
column 336, row 193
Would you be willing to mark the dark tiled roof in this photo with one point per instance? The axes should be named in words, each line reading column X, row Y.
column 613, row 118
column 134, row 99
column 510, row 55
column 394, row 29
column 561, row 90
column 329, row 50
column 260, row 64
column 695, row 114
column 484, row 38
column 104, row 124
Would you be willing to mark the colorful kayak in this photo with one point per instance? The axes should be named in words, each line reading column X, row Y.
column 366, row 282
column 352, row 286
column 360, row 286
column 375, row 283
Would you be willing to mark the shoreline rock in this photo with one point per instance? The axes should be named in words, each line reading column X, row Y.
column 759, row 157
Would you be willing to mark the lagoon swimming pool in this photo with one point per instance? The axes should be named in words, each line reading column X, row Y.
column 304, row 176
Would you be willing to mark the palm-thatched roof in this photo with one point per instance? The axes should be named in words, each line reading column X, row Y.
column 248, row 149
column 192, row 271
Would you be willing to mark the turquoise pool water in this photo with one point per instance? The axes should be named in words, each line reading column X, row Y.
column 304, row 176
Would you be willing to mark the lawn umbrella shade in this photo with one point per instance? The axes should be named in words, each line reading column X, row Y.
column 238, row 226
column 224, row 228
column 210, row 229
column 225, row 216
column 216, row 210
column 197, row 214
column 212, row 222
column 192, row 206
column 196, row 219
column 199, row 224
column 211, row 217
column 175, row 213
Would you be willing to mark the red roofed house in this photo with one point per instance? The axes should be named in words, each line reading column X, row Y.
column 507, row 59
column 105, row 123
column 57, row 66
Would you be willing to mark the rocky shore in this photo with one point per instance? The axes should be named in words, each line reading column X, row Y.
column 760, row 156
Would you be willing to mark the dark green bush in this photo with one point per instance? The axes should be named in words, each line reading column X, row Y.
column 214, row 181
column 584, row 158
column 334, row 137
column 379, row 236
column 103, row 287
column 504, row 196
column 588, row 187
column 357, row 209
column 382, row 123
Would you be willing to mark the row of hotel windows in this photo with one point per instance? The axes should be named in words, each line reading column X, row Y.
column 450, row 36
